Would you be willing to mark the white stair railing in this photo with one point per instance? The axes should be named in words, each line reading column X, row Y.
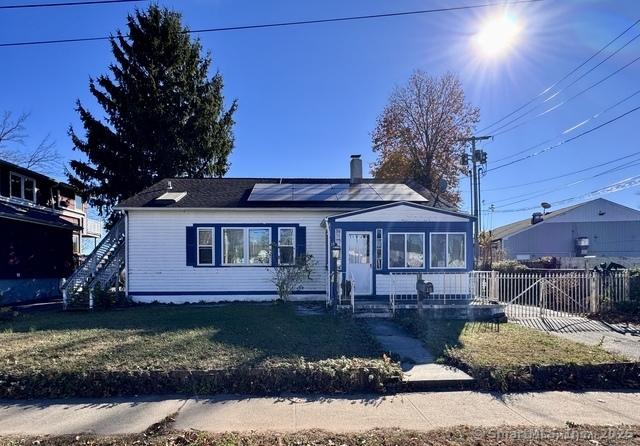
column 105, row 262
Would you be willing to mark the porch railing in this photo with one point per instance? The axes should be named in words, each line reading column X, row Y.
column 448, row 287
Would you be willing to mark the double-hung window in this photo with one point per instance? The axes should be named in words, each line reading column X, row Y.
column 448, row 250
column 78, row 203
column 205, row 246
column 406, row 250
column 22, row 187
column 246, row 246
column 286, row 246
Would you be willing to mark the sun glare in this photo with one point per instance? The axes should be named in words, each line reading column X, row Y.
column 498, row 35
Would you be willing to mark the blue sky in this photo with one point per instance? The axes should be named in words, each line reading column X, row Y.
column 309, row 96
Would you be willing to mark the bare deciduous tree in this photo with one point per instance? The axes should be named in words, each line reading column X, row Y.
column 12, row 130
column 44, row 157
column 417, row 136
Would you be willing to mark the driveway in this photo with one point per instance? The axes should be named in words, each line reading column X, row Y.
column 615, row 338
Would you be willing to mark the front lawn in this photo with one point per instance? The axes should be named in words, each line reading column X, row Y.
column 152, row 341
column 513, row 357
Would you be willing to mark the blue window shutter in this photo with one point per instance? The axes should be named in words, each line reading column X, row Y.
column 191, row 246
column 301, row 241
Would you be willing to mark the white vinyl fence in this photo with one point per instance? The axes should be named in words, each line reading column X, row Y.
column 552, row 294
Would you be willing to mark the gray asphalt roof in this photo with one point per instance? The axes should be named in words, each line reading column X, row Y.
column 234, row 193
column 517, row 226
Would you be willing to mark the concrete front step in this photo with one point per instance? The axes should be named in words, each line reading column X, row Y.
column 380, row 314
column 420, row 377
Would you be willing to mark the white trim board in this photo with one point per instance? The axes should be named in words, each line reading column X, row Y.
column 402, row 213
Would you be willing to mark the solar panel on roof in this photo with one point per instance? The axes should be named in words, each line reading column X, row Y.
column 398, row 191
column 313, row 192
column 333, row 192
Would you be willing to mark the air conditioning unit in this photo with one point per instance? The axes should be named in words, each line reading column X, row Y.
column 582, row 246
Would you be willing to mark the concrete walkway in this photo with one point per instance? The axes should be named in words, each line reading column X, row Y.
column 421, row 411
column 418, row 364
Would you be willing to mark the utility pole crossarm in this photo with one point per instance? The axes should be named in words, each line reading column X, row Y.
column 477, row 157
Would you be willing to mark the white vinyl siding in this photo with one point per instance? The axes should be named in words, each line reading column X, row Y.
column 157, row 256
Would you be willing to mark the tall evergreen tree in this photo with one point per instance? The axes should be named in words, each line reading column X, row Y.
column 164, row 115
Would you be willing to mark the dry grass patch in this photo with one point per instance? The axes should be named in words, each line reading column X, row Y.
column 504, row 345
column 158, row 337
column 510, row 357
column 455, row 436
column 186, row 348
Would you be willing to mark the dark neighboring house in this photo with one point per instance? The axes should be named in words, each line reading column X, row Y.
column 42, row 224
column 599, row 228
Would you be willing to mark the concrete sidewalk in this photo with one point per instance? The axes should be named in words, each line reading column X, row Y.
column 421, row 411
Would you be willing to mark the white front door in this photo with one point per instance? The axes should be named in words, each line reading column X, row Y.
column 359, row 263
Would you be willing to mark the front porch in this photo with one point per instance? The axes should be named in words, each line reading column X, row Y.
column 404, row 256
column 455, row 296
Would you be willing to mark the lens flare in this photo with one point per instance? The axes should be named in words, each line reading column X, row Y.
column 497, row 36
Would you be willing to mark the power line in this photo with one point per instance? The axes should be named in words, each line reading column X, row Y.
column 59, row 4
column 580, row 135
column 555, row 107
column 611, row 188
column 575, row 81
column 570, row 129
column 284, row 24
column 539, row 193
column 566, row 76
column 563, row 175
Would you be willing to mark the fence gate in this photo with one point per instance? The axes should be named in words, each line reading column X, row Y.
column 554, row 294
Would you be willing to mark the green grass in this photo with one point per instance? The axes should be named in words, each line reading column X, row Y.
column 190, row 337
column 482, row 345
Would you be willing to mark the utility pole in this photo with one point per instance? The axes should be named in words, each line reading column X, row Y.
column 478, row 167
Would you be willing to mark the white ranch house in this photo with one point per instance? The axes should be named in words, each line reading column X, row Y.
column 193, row 240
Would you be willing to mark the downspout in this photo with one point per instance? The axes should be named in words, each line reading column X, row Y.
column 329, row 287
column 126, row 253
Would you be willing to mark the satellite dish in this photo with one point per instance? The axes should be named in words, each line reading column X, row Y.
column 442, row 185
column 545, row 205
